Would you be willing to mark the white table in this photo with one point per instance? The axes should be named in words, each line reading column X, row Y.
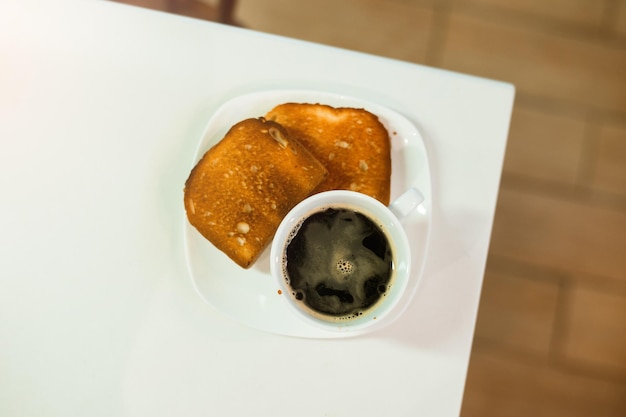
column 101, row 109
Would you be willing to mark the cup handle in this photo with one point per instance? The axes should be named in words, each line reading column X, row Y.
column 406, row 203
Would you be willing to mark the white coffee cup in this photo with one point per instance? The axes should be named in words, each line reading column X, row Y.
column 328, row 276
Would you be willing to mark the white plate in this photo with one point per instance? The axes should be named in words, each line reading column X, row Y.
column 251, row 296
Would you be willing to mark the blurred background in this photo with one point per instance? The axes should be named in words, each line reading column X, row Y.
column 551, row 331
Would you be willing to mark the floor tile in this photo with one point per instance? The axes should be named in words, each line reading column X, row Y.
column 191, row 8
column 518, row 311
column 610, row 164
column 595, row 328
column 544, row 145
column 394, row 29
column 619, row 20
column 501, row 386
column 583, row 12
column 541, row 64
column 556, row 233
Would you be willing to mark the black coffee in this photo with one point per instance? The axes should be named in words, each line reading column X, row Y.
column 339, row 263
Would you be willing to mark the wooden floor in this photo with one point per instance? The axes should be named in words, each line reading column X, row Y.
column 551, row 332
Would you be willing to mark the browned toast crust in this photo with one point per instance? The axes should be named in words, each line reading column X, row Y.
column 243, row 187
column 352, row 144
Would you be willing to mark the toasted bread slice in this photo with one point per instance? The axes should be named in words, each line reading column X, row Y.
column 243, row 187
column 351, row 143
